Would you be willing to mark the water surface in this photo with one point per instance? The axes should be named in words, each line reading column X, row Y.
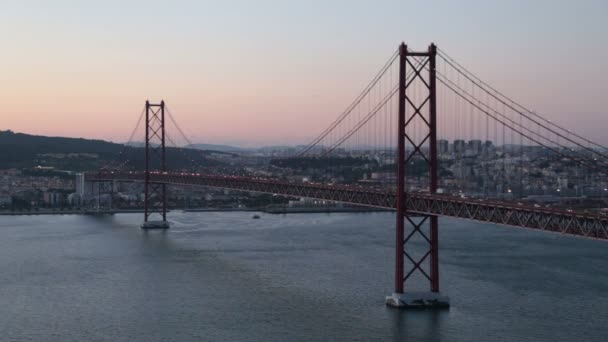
column 302, row 277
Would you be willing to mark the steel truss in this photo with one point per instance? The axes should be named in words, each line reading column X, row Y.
column 505, row 213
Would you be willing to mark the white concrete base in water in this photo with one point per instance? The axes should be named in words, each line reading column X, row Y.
column 155, row 225
column 418, row 300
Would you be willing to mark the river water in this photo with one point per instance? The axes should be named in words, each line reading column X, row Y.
column 223, row 276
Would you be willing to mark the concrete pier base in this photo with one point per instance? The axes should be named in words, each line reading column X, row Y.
column 155, row 225
column 418, row 300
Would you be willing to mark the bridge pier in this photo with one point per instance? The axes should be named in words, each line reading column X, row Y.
column 418, row 300
column 155, row 225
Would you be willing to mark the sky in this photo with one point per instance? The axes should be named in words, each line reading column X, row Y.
column 265, row 72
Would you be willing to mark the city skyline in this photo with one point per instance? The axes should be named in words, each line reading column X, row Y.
column 260, row 74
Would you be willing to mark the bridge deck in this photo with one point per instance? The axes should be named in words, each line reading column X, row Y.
column 555, row 220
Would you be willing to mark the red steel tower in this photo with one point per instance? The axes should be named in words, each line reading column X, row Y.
column 417, row 108
column 155, row 202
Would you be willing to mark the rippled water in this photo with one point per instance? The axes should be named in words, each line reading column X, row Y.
column 302, row 277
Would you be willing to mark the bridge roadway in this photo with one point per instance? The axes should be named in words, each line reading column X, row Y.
column 505, row 213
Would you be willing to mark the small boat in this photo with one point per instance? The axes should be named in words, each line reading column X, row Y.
column 255, row 217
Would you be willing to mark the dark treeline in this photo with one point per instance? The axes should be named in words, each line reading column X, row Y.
column 24, row 151
column 321, row 162
column 354, row 168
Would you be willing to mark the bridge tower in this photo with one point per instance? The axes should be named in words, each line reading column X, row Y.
column 155, row 201
column 414, row 106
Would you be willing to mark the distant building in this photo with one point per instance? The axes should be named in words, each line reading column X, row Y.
column 310, row 203
column 74, row 199
column 6, row 199
column 53, row 198
column 80, row 185
column 384, row 177
column 444, row 146
column 562, row 182
column 85, row 190
column 10, row 172
column 459, row 146
column 475, row 146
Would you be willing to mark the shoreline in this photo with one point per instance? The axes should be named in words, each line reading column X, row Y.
column 278, row 211
column 273, row 211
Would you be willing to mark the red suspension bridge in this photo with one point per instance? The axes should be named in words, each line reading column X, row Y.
column 399, row 129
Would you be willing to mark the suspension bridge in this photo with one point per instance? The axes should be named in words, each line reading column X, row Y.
column 396, row 134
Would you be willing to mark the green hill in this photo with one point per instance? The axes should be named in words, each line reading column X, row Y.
column 19, row 150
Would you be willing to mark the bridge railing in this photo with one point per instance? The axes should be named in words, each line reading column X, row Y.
column 505, row 213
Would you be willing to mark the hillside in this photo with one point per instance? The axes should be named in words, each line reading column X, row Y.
column 19, row 150
column 216, row 147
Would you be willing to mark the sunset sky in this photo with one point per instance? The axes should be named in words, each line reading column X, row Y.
column 277, row 72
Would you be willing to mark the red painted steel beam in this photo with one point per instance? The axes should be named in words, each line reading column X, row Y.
column 433, row 172
column 504, row 213
column 399, row 242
